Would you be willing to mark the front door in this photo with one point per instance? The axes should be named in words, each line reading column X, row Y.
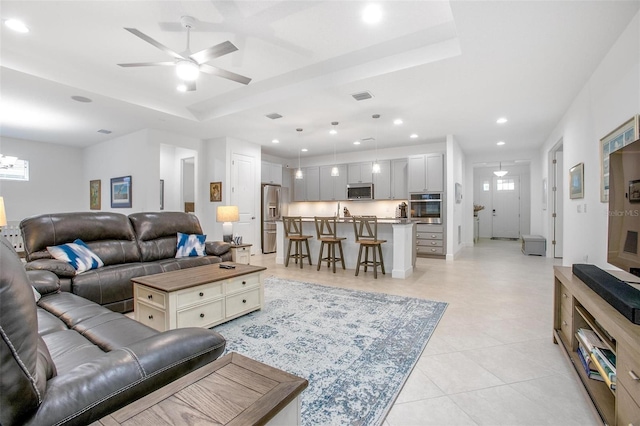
column 243, row 195
column 506, row 207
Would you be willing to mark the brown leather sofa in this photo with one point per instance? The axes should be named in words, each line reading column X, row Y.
column 65, row 360
column 130, row 246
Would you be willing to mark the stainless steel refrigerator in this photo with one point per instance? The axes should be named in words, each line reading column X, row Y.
column 271, row 204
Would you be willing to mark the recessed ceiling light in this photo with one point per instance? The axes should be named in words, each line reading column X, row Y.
column 81, row 99
column 501, row 120
column 333, row 131
column 500, row 143
column 16, row 25
column 356, row 143
column 372, row 14
column 275, row 141
column 182, row 87
column 413, row 136
column 304, row 150
column 397, row 121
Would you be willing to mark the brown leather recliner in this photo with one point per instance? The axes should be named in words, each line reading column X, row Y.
column 66, row 360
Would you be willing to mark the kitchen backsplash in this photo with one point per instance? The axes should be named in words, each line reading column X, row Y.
column 384, row 208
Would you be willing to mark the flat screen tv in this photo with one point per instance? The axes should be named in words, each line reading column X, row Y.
column 624, row 208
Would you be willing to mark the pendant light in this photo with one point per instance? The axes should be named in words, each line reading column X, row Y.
column 500, row 173
column 376, row 165
column 299, row 171
column 335, row 172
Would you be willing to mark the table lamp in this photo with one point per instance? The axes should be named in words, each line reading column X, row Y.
column 227, row 214
column 3, row 214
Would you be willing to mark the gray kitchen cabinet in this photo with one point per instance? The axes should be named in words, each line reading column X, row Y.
column 382, row 181
column 271, row 173
column 399, row 179
column 307, row 188
column 360, row 172
column 333, row 187
column 426, row 173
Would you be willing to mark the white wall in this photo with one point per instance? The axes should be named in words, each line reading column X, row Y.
column 55, row 183
column 458, row 221
column 610, row 97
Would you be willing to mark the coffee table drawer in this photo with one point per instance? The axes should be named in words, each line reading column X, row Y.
column 243, row 283
column 199, row 294
column 242, row 302
column 154, row 297
column 150, row 316
column 202, row 315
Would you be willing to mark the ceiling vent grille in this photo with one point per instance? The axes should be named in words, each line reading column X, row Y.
column 273, row 116
column 105, row 131
column 362, row 96
column 368, row 139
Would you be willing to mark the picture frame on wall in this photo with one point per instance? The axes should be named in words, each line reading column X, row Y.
column 634, row 191
column 458, row 188
column 576, row 181
column 95, row 194
column 623, row 135
column 121, row 192
column 215, row 191
column 161, row 194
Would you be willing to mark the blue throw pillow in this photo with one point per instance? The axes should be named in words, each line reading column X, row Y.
column 190, row 245
column 77, row 254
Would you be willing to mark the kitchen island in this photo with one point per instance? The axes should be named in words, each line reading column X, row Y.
column 397, row 252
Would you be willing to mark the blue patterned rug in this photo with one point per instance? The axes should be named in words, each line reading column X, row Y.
column 355, row 348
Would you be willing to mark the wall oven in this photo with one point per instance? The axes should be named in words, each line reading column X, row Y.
column 426, row 207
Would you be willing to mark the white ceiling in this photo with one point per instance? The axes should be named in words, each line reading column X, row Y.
column 443, row 67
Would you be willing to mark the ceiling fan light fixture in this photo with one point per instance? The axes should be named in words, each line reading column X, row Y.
column 500, row 173
column 187, row 70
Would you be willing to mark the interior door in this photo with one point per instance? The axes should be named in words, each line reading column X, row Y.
column 558, row 191
column 243, row 195
column 506, row 207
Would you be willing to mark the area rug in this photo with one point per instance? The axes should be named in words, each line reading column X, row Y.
column 355, row 348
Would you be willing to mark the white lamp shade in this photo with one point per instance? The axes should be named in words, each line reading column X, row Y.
column 335, row 171
column 3, row 214
column 187, row 70
column 227, row 214
column 500, row 173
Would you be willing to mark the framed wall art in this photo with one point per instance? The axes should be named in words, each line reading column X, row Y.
column 623, row 135
column 576, row 181
column 95, row 194
column 121, row 192
column 634, row 191
column 215, row 191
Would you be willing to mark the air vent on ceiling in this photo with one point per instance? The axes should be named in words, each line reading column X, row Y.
column 368, row 139
column 105, row 131
column 362, row 96
column 273, row 115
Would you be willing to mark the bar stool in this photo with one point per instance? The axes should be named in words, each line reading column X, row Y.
column 326, row 234
column 293, row 232
column 366, row 230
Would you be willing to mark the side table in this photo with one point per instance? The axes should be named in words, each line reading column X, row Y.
column 241, row 253
column 232, row 390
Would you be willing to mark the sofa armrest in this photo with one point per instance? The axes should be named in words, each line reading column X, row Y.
column 58, row 267
column 94, row 389
column 45, row 282
column 216, row 248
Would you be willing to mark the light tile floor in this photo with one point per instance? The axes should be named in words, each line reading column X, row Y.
column 491, row 360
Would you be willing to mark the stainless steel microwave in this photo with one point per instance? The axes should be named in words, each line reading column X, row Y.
column 360, row 191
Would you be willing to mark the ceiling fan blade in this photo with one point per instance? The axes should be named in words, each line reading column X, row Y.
column 147, row 64
column 209, row 69
column 159, row 45
column 214, row 52
column 191, row 86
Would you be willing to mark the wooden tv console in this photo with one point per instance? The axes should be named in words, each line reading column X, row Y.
column 577, row 306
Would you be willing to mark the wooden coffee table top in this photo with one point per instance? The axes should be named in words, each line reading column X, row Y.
column 233, row 390
column 191, row 277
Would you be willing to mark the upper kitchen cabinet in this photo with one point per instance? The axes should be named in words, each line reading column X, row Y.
column 360, row 172
column 271, row 173
column 333, row 187
column 426, row 173
column 307, row 188
column 399, row 179
column 382, row 181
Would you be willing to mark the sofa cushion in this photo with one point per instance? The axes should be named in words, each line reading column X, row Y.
column 69, row 349
column 157, row 232
column 22, row 377
column 77, row 254
column 190, row 245
column 186, row 262
column 217, row 248
column 109, row 235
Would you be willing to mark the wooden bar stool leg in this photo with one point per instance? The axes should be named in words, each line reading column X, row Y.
column 375, row 264
column 286, row 263
column 320, row 255
column 333, row 256
column 359, row 257
column 299, row 250
column 306, row 242
column 341, row 254
column 381, row 260
column 366, row 258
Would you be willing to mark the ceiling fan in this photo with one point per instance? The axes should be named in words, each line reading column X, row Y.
column 189, row 65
